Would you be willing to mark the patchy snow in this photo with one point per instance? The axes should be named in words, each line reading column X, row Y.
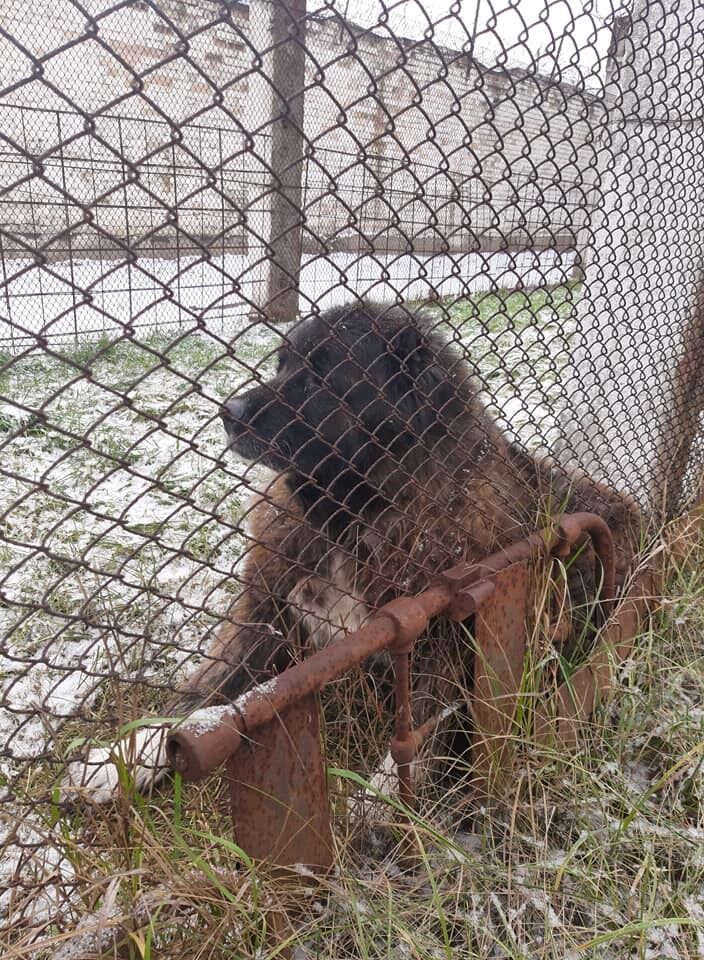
column 207, row 719
column 97, row 933
column 128, row 545
column 56, row 687
column 262, row 691
column 35, row 875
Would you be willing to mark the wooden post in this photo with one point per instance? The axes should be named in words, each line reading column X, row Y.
column 276, row 116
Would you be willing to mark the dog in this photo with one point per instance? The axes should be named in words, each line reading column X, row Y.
column 388, row 469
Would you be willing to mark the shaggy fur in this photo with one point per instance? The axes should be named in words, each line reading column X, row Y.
column 389, row 470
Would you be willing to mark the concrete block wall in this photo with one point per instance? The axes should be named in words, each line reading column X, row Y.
column 139, row 115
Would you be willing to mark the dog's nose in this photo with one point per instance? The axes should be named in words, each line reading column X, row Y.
column 233, row 409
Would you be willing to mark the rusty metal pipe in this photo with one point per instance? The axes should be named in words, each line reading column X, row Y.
column 204, row 741
column 196, row 751
column 571, row 528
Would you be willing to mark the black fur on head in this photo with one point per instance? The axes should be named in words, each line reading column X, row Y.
column 354, row 387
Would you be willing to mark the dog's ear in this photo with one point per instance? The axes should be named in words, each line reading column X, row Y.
column 427, row 392
column 418, row 359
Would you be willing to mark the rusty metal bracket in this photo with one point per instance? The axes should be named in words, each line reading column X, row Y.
column 500, row 644
column 278, row 790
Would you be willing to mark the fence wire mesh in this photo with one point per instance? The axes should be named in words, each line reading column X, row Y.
column 195, row 195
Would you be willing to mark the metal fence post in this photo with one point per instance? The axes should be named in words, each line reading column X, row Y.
column 278, row 790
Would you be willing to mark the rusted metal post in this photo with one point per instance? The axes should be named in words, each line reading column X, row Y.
column 500, row 643
column 575, row 700
column 278, row 790
column 403, row 747
column 410, row 617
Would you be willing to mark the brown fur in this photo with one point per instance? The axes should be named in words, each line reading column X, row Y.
column 461, row 497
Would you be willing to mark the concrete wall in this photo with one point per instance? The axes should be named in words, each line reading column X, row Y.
column 409, row 145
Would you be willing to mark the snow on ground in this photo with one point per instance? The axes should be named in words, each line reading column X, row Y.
column 117, row 558
column 149, row 507
column 122, row 519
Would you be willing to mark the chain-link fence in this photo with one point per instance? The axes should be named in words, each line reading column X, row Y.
column 196, row 195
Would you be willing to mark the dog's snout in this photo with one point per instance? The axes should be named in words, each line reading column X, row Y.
column 233, row 410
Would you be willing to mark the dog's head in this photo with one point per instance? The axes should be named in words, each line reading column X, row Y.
column 353, row 386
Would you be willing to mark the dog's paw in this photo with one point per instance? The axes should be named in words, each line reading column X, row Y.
column 382, row 787
column 385, row 778
column 97, row 777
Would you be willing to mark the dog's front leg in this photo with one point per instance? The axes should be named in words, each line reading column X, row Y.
column 247, row 649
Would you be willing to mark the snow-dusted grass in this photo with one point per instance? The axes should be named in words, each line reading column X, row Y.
column 520, row 343
column 120, row 535
column 121, row 528
column 595, row 853
column 120, row 515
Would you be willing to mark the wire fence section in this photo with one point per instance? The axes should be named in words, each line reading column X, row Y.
column 187, row 190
